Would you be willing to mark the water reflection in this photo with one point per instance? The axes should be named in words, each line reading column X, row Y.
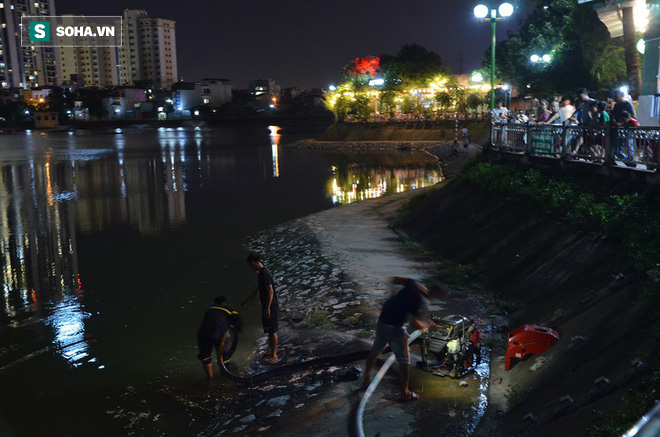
column 353, row 179
column 67, row 322
column 274, row 145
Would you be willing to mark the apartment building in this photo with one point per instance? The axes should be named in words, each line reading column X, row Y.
column 25, row 67
column 148, row 53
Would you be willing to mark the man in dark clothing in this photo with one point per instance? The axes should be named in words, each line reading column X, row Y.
column 622, row 105
column 216, row 321
column 621, row 139
column 410, row 300
column 269, row 305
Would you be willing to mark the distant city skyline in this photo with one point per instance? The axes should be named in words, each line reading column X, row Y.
column 305, row 44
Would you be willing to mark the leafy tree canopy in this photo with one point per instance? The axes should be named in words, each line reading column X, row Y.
column 414, row 65
column 581, row 50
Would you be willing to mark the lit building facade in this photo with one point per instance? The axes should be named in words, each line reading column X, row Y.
column 148, row 52
column 25, row 67
column 94, row 62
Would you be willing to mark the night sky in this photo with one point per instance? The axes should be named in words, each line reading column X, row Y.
column 305, row 43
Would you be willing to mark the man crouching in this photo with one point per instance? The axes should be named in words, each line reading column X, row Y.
column 214, row 325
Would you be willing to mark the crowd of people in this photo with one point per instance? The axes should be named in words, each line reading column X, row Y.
column 586, row 112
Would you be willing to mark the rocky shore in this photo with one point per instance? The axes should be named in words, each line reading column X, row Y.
column 331, row 271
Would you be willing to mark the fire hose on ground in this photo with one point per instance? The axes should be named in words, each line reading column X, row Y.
column 359, row 416
column 281, row 370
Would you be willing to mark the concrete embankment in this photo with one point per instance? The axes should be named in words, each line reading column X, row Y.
column 544, row 271
column 374, row 137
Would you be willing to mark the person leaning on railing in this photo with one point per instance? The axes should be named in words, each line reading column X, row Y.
column 593, row 142
column 498, row 116
column 556, row 118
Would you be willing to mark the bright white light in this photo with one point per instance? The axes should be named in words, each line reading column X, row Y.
column 332, row 87
column 376, row 82
column 477, row 77
column 161, row 109
column 480, row 11
column 624, row 89
column 534, row 58
column 641, row 16
column 27, row 112
column 506, row 9
column 196, row 113
column 546, row 58
column 505, row 87
column 641, row 46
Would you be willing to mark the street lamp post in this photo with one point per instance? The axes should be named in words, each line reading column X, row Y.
column 481, row 12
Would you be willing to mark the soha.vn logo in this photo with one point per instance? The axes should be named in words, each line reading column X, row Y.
column 40, row 31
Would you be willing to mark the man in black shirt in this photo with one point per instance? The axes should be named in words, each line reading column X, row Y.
column 411, row 299
column 216, row 321
column 269, row 304
column 622, row 105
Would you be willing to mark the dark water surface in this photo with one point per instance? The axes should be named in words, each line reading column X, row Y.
column 113, row 244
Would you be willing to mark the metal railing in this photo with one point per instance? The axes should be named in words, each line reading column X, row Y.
column 633, row 147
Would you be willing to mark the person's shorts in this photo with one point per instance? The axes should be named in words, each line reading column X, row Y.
column 206, row 346
column 396, row 337
column 270, row 325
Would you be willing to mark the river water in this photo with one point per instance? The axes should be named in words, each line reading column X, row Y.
column 113, row 244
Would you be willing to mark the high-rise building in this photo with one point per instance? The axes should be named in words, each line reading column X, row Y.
column 25, row 67
column 93, row 62
column 148, row 52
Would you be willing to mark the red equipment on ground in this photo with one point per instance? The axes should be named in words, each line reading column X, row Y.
column 527, row 340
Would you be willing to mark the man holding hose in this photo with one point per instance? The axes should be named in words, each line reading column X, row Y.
column 411, row 299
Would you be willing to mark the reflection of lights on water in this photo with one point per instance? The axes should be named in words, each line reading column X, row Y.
column 355, row 188
column 276, row 164
column 274, row 143
column 67, row 320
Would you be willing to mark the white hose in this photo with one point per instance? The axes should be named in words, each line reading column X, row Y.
column 359, row 428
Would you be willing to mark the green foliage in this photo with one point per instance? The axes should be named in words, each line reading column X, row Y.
column 319, row 320
column 414, row 67
column 631, row 219
column 365, row 334
column 388, row 102
column 633, row 406
column 474, row 101
column 457, row 275
column 582, row 52
column 362, row 107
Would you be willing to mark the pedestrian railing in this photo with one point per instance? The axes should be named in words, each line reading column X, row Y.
column 635, row 146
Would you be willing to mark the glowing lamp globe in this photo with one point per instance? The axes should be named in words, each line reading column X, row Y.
column 546, row 58
column 506, row 9
column 534, row 58
column 480, row 11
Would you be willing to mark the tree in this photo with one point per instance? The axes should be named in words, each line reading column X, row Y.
column 414, row 67
column 362, row 108
column 474, row 100
column 575, row 39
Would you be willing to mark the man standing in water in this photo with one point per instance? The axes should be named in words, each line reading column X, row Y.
column 411, row 299
column 269, row 304
column 214, row 325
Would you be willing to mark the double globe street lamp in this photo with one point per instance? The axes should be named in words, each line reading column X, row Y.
column 485, row 13
column 536, row 59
